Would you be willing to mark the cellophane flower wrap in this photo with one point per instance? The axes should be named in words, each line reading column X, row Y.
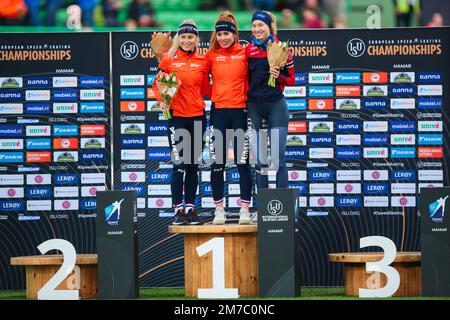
column 161, row 44
column 277, row 55
column 168, row 85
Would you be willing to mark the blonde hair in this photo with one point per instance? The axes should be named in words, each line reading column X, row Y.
column 176, row 40
column 274, row 23
column 224, row 16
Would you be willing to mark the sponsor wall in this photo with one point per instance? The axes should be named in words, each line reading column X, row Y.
column 366, row 133
column 54, row 142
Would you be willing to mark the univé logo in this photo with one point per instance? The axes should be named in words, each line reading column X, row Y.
column 129, row 50
column 275, row 207
column 356, row 47
column 437, row 209
column 112, row 213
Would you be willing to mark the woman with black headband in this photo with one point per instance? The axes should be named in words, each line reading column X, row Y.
column 187, row 110
column 229, row 113
column 266, row 102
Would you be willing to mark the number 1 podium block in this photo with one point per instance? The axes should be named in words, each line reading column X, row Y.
column 240, row 258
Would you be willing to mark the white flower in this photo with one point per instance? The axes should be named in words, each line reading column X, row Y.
column 167, row 77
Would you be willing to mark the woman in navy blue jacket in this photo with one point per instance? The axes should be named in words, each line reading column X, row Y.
column 266, row 102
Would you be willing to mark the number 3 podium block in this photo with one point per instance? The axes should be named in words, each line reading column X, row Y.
column 240, row 255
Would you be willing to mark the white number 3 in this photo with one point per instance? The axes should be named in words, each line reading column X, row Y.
column 393, row 277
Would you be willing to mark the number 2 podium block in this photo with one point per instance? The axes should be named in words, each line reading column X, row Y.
column 240, row 257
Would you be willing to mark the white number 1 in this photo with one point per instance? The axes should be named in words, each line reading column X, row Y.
column 393, row 277
column 217, row 246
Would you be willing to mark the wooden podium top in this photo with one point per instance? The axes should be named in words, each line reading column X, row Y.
column 55, row 259
column 359, row 257
column 210, row 228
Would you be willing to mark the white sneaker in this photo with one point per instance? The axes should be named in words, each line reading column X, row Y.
column 219, row 216
column 254, row 217
column 244, row 216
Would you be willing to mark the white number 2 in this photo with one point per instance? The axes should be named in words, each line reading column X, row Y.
column 48, row 291
column 393, row 277
column 217, row 246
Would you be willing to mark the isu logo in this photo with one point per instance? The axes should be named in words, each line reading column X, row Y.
column 356, row 47
column 129, row 50
column 275, row 207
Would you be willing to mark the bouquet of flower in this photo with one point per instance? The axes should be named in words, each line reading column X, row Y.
column 168, row 86
column 277, row 54
column 160, row 44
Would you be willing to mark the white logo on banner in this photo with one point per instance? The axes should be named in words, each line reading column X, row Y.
column 356, row 47
column 129, row 50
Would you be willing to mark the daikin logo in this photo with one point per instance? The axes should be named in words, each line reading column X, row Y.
column 112, row 213
column 437, row 210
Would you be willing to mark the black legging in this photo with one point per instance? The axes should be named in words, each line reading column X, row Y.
column 233, row 120
column 185, row 175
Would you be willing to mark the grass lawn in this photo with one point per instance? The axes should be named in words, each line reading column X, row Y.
column 316, row 293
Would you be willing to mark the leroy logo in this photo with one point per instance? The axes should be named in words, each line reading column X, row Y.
column 431, row 152
column 63, row 143
column 92, row 130
column 299, row 127
column 112, row 213
column 437, row 209
column 348, row 91
column 321, row 104
column 375, row 77
column 38, row 157
column 132, row 106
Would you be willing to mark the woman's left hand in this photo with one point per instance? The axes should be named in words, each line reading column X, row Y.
column 275, row 72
